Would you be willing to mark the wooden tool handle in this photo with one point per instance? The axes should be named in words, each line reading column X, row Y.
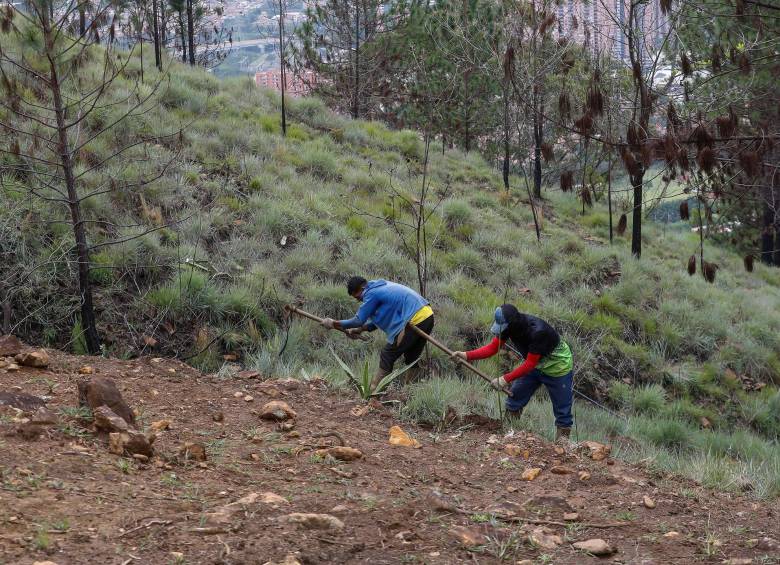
column 448, row 351
column 294, row 310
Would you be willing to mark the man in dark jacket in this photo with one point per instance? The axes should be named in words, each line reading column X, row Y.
column 391, row 307
column 547, row 361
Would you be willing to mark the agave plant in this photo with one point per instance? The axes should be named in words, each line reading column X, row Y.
column 362, row 380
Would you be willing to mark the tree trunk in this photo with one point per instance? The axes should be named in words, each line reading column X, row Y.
column 636, row 218
column 768, row 233
column 538, row 140
column 356, row 102
column 88, row 323
column 82, row 19
column 156, row 33
column 505, row 170
column 282, row 71
column 609, row 194
column 183, row 29
column 191, row 33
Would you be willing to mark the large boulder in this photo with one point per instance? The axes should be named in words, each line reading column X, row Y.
column 21, row 400
column 37, row 359
column 102, row 391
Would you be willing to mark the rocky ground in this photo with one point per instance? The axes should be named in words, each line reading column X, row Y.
column 314, row 478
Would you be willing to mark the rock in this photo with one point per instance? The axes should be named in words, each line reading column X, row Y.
column 530, row 474
column 594, row 546
column 12, row 367
column 340, row 453
column 314, row 521
column 513, row 450
column 3, row 363
column 468, row 537
column 596, row 451
column 506, row 509
column 107, row 421
column 38, row 359
column 767, row 544
column 549, row 504
column 21, row 400
column 705, row 422
column 249, row 398
column 738, row 561
column 86, row 370
column 289, row 559
column 28, row 431
column 160, row 426
column 648, row 502
column 44, row 417
column 248, row 374
column 339, row 509
column 102, row 391
column 44, row 563
column 225, row 517
column 583, row 475
column 218, row 417
column 544, row 538
column 672, row 535
column 194, row 451
column 130, row 442
column 561, row 470
column 570, row 516
column 405, row 536
column 277, row 410
column 401, row 438
column 10, row 346
column 559, row 450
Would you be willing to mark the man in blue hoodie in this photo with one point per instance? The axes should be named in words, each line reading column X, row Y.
column 390, row 307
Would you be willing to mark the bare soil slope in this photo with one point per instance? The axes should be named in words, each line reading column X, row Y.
column 458, row 498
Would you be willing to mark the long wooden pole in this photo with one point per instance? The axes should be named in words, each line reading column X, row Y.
column 433, row 341
column 294, row 310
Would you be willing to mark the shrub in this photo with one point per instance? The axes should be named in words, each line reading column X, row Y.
column 649, row 399
column 670, row 434
column 457, row 213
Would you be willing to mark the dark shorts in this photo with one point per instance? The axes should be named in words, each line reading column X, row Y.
column 408, row 344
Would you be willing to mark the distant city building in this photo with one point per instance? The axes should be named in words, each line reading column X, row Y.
column 597, row 25
column 294, row 85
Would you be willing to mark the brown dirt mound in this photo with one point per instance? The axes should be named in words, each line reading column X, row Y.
column 263, row 495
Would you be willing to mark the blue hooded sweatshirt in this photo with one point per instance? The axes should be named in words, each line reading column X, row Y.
column 388, row 306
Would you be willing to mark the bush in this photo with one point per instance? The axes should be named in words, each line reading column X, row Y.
column 649, row 399
column 457, row 213
column 670, row 434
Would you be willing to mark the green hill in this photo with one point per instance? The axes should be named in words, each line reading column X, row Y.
column 239, row 220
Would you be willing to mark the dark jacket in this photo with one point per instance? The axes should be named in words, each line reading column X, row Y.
column 529, row 334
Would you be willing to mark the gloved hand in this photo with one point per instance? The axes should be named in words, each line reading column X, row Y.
column 498, row 383
column 459, row 355
column 328, row 323
column 354, row 333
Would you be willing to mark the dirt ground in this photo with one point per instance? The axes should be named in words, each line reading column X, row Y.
column 458, row 498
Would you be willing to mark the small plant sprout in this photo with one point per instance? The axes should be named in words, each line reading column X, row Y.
column 362, row 381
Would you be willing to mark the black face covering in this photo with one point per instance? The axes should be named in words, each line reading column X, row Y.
column 529, row 334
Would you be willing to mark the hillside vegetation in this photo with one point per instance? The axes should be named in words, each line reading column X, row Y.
column 244, row 220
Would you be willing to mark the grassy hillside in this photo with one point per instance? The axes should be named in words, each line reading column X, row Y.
column 246, row 221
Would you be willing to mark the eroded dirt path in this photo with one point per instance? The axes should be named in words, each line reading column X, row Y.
column 459, row 498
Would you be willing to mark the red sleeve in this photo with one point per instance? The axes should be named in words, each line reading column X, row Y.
column 528, row 365
column 484, row 352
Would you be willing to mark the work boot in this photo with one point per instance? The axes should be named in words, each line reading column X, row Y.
column 513, row 417
column 380, row 374
column 411, row 375
column 562, row 435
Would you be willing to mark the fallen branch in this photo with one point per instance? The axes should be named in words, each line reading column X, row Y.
column 564, row 524
column 148, row 524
